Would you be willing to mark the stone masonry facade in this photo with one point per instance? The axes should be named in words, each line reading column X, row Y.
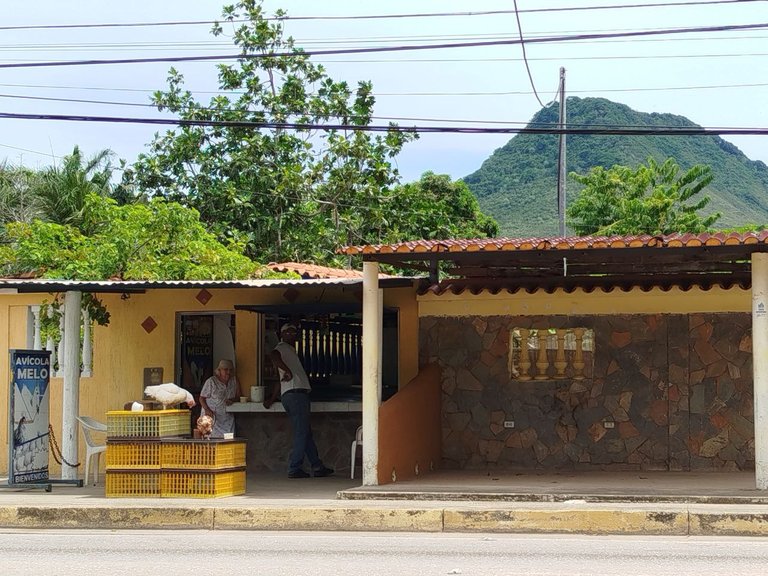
column 663, row 392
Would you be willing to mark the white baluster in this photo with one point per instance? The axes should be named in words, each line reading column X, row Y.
column 87, row 370
column 50, row 345
column 62, row 361
column 37, row 340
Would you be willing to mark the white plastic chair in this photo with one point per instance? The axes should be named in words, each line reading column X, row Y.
column 89, row 425
column 356, row 443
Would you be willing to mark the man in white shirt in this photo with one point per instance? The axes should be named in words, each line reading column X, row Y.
column 294, row 394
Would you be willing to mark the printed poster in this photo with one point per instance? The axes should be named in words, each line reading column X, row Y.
column 28, row 406
column 196, row 351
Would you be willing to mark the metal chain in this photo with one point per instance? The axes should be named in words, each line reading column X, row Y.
column 56, row 451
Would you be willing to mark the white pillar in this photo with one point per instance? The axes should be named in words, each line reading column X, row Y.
column 371, row 372
column 60, row 352
column 71, row 390
column 87, row 371
column 37, row 341
column 760, row 365
column 50, row 345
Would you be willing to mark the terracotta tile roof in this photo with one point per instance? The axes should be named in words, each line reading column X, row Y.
column 577, row 262
column 557, row 243
column 313, row 271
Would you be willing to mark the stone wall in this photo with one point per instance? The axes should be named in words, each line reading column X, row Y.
column 268, row 439
column 663, row 392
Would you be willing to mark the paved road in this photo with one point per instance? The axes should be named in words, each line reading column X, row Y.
column 213, row 553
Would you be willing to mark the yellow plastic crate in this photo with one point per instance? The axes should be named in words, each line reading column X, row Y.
column 149, row 424
column 202, row 454
column 133, row 483
column 201, row 484
column 133, row 455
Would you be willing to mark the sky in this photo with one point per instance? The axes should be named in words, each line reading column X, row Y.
column 716, row 79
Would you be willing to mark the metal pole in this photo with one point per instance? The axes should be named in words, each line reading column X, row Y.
column 561, row 158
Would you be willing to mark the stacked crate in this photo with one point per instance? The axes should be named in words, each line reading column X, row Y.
column 150, row 454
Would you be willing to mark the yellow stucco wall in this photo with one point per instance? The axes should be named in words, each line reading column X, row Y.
column 123, row 349
column 655, row 301
column 408, row 326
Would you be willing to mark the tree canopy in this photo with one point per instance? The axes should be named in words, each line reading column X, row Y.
column 651, row 199
column 289, row 166
column 436, row 207
column 55, row 193
column 154, row 241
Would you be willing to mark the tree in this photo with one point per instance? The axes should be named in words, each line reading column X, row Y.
column 18, row 194
column 154, row 241
column 651, row 199
column 62, row 189
column 56, row 193
column 288, row 194
column 436, row 207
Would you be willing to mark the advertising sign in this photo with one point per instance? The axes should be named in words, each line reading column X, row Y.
column 196, row 351
column 28, row 416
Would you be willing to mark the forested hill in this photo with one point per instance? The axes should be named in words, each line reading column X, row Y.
column 517, row 184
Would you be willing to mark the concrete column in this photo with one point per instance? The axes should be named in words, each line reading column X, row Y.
column 371, row 372
column 71, row 390
column 760, row 365
column 37, row 342
column 87, row 370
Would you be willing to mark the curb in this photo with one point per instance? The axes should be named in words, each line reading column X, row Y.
column 679, row 521
column 570, row 521
column 331, row 519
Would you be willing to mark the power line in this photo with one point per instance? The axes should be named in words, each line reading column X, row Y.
column 304, row 43
column 591, row 91
column 30, row 151
column 375, row 16
column 378, row 94
column 605, row 131
column 525, row 58
column 527, row 11
column 538, row 40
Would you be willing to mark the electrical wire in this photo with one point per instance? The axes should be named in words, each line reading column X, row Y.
column 525, row 57
column 376, row 16
column 605, row 131
column 378, row 94
column 298, row 53
column 30, row 151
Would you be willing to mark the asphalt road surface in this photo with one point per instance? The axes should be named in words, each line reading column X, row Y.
column 213, row 553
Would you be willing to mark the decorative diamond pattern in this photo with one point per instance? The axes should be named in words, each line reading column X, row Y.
column 149, row 324
column 291, row 294
column 204, row 296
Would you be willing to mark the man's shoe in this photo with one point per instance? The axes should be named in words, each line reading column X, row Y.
column 298, row 474
column 324, row 471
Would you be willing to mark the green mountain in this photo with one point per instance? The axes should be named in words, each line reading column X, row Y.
column 517, row 184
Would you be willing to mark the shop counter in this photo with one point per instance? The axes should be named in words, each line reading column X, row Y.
column 319, row 406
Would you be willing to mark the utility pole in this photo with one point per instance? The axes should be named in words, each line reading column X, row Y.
column 561, row 157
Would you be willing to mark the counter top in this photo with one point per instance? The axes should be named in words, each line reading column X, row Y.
column 240, row 407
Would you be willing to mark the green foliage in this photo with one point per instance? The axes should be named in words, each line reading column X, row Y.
column 62, row 189
column 651, row 199
column 435, row 207
column 154, row 241
column 18, row 197
column 286, row 194
column 517, row 184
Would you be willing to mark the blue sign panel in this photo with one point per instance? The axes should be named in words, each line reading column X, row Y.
column 29, row 416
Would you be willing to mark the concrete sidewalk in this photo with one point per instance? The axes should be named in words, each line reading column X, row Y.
column 663, row 503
